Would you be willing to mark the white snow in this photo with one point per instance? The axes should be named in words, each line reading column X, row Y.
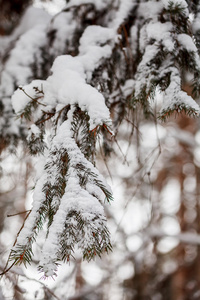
column 196, row 24
column 158, row 30
column 75, row 198
column 125, row 8
column 95, row 44
column 21, row 99
column 35, row 129
column 23, row 55
column 66, row 86
column 150, row 9
column 174, row 96
column 99, row 4
column 31, row 18
column 64, row 24
column 187, row 42
column 161, row 32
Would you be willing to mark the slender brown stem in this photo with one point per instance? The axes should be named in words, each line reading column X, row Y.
column 19, row 213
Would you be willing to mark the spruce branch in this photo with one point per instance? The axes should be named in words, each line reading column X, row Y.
column 70, row 181
column 177, row 109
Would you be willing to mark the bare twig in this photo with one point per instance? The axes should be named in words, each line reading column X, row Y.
column 33, row 99
column 19, row 213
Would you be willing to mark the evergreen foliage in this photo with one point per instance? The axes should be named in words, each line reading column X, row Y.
column 106, row 64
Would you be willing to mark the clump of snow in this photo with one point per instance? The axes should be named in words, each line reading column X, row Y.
column 35, row 130
column 22, row 56
column 150, row 9
column 53, row 7
column 67, row 63
column 96, row 44
column 161, row 32
column 196, row 24
column 127, row 89
column 21, row 98
column 95, row 35
column 158, row 30
column 175, row 97
column 187, row 42
column 64, row 24
column 125, row 7
column 65, row 86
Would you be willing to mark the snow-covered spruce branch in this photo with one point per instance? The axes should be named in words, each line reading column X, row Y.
column 167, row 49
column 68, row 196
column 69, row 191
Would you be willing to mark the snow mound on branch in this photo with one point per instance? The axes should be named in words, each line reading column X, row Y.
column 175, row 97
column 22, row 57
column 65, row 86
column 161, row 32
column 96, row 44
column 186, row 42
column 20, row 99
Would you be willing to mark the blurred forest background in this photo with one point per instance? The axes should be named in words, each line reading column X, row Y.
column 152, row 166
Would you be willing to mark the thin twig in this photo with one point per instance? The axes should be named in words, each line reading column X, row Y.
column 125, row 160
column 7, row 269
column 105, row 162
column 33, row 99
column 19, row 213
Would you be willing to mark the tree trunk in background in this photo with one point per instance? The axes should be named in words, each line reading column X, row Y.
column 10, row 14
